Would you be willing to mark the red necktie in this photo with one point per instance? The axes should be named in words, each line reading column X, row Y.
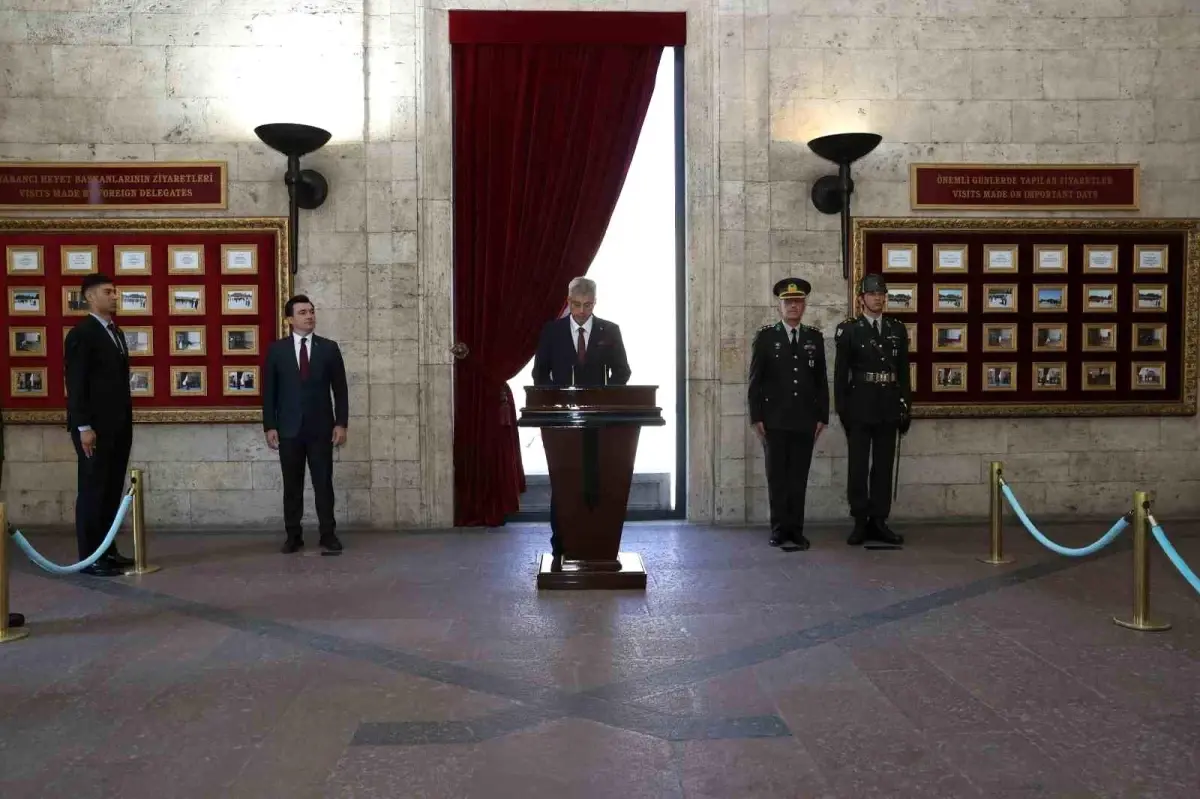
column 304, row 358
column 581, row 350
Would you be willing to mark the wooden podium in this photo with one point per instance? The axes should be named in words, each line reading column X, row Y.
column 591, row 436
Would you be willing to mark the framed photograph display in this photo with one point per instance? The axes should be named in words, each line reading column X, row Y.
column 1059, row 309
column 899, row 258
column 198, row 300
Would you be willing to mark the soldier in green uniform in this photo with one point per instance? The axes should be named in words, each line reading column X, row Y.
column 872, row 397
column 789, row 407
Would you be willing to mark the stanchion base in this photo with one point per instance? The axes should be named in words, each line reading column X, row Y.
column 135, row 571
column 1142, row 626
column 8, row 636
column 996, row 561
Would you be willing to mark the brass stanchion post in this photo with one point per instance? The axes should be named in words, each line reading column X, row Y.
column 1141, row 571
column 996, row 516
column 6, row 634
column 137, row 478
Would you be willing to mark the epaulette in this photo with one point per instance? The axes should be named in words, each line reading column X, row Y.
column 849, row 320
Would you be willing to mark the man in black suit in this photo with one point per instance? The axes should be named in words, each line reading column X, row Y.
column 306, row 410
column 100, row 419
column 579, row 350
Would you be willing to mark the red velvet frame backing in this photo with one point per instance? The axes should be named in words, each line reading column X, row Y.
column 1178, row 395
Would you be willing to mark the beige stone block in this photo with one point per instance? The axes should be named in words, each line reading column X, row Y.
column 972, row 121
column 1051, row 121
column 22, row 477
column 92, row 72
column 258, row 199
column 731, row 163
column 756, row 34
column 922, row 501
column 337, row 248
column 1049, row 435
column 107, row 152
column 359, row 445
column 1007, row 153
column 350, row 208
column 967, row 501
column 939, row 469
column 1116, row 121
column 200, row 476
column 14, row 27
column 33, row 507
column 1176, row 500
column 799, row 245
column 25, row 70
column 23, row 443
column 703, row 420
column 733, row 205
column 733, row 401
column 1166, row 161
column 1129, row 33
column 860, row 74
column 269, row 477
column 1041, row 467
column 1173, row 75
column 1180, row 433
column 1080, row 76
column 171, row 442
column 730, row 507
column 1076, row 153
column 167, row 509
column 758, row 206
column 238, row 507
column 408, row 438
column 353, row 288
column 789, row 202
column 734, row 437
column 1108, row 499
column 731, row 473
column 731, row 118
column 934, row 75
column 356, row 474
column 136, row 119
column 79, row 29
column 410, row 510
column 877, row 198
column 1176, row 120
column 1178, row 32
column 901, row 120
column 57, row 445
column 196, row 29
column 889, row 162
column 25, row 152
column 1006, row 75
column 822, row 31
column 382, row 506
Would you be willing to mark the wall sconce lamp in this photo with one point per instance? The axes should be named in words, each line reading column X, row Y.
column 831, row 193
column 307, row 188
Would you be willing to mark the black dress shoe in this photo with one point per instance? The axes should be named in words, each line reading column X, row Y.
column 881, row 532
column 800, row 543
column 292, row 545
column 330, row 543
column 859, row 534
column 777, row 538
column 116, row 557
column 16, row 620
column 104, row 568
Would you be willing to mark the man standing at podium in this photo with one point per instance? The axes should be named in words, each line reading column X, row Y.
column 579, row 349
column 788, row 395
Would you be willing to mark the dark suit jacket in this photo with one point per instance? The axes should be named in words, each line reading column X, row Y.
column 313, row 406
column 556, row 356
column 97, row 378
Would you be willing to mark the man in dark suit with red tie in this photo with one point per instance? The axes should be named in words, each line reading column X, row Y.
column 306, row 410
column 100, row 419
column 579, row 349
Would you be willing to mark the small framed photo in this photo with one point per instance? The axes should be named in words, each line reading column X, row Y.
column 949, row 338
column 1000, row 258
column 240, row 300
column 1150, row 258
column 26, row 259
column 999, row 377
column 899, row 258
column 999, row 298
column 27, row 342
column 139, row 341
column 187, row 341
column 1100, row 297
column 239, row 340
column 912, row 377
column 1100, row 337
column 134, row 301
column 911, row 329
column 73, row 302
column 1098, row 376
column 131, row 259
column 950, row 297
column 78, row 259
column 26, row 300
column 1000, row 338
column 1100, row 258
column 1147, row 297
column 188, row 381
column 1051, row 258
column 1049, row 338
column 1049, row 376
column 187, row 300
column 949, row 258
column 141, row 381
column 1148, row 376
column 239, row 259
column 1149, row 337
column 240, row 381
column 1050, row 297
column 949, row 377
column 28, row 381
column 185, row 259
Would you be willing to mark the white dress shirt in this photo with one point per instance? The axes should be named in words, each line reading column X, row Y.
column 296, row 339
column 876, row 322
column 586, row 327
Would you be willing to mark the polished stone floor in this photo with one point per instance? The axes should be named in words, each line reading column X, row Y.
column 426, row 665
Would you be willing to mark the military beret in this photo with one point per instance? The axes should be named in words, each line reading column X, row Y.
column 792, row 288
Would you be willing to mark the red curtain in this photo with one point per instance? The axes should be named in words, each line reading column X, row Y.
column 543, row 138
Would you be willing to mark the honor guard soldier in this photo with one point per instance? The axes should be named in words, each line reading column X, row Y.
column 872, row 397
column 789, row 407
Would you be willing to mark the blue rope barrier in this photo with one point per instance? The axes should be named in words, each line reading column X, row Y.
column 54, row 568
column 1098, row 545
column 1174, row 557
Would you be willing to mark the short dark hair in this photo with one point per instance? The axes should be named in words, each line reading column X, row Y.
column 299, row 299
column 93, row 280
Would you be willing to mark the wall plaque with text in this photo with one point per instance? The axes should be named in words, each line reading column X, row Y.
column 104, row 186
column 1025, row 187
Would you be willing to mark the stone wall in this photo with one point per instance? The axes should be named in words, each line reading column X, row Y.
column 995, row 80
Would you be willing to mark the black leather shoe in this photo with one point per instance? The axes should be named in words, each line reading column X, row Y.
column 292, row 545
column 330, row 543
column 16, row 620
column 116, row 557
column 104, row 568
column 777, row 539
column 859, row 535
column 800, row 543
column 881, row 532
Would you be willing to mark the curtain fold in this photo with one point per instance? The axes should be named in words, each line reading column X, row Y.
column 543, row 139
